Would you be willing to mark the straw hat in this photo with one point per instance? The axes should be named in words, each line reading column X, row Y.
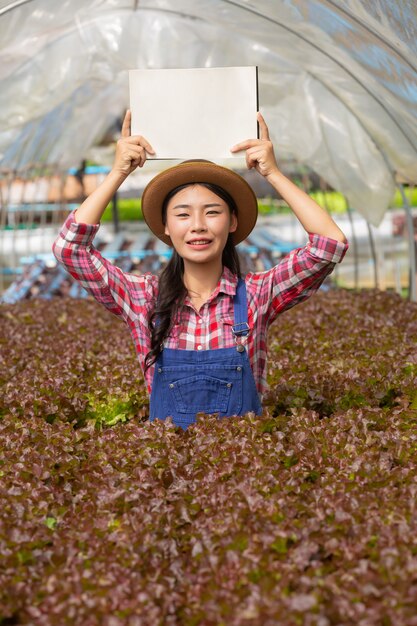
column 199, row 171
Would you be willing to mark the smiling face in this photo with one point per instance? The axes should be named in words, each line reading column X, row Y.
column 198, row 223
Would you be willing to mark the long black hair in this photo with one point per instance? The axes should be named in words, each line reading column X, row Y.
column 172, row 291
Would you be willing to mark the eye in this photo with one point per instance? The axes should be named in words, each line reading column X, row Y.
column 213, row 211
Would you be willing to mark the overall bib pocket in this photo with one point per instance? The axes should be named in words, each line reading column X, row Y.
column 207, row 389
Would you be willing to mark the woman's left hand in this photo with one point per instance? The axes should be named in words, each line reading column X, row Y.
column 259, row 152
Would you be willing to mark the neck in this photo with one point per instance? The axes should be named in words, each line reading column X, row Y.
column 201, row 279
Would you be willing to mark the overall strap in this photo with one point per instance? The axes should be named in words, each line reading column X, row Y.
column 240, row 305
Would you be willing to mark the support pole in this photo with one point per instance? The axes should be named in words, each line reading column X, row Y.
column 373, row 254
column 412, row 276
column 115, row 211
column 355, row 246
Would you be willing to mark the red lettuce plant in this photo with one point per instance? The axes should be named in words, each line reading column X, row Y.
column 305, row 515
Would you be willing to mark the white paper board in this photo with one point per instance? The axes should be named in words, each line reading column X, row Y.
column 194, row 113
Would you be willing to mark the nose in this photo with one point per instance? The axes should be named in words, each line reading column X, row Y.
column 198, row 223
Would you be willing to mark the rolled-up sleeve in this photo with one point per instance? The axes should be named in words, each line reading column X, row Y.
column 297, row 276
column 118, row 291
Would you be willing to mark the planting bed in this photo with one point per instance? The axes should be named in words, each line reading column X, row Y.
column 304, row 516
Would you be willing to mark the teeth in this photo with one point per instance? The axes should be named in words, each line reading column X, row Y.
column 202, row 241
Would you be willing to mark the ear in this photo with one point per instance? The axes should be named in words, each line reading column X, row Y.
column 233, row 223
column 166, row 230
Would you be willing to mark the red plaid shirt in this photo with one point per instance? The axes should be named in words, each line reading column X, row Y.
column 132, row 297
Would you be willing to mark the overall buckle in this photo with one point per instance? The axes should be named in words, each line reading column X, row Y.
column 244, row 330
column 240, row 332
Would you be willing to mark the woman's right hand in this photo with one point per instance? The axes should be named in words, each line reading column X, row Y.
column 130, row 149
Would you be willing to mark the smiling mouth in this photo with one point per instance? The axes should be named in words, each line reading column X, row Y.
column 199, row 242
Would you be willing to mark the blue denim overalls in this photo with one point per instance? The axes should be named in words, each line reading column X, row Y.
column 220, row 381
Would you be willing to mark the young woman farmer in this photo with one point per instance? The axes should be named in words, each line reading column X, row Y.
column 199, row 328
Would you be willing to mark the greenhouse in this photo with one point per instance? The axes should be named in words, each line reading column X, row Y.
column 302, row 512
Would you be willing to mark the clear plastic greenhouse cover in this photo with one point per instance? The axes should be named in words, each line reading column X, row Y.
column 337, row 78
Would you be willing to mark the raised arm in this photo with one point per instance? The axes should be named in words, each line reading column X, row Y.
column 130, row 154
column 119, row 292
column 260, row 156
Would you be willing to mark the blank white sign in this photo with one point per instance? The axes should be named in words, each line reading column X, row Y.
column 197, row 113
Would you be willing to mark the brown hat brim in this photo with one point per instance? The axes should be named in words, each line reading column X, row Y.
column 197, row 171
